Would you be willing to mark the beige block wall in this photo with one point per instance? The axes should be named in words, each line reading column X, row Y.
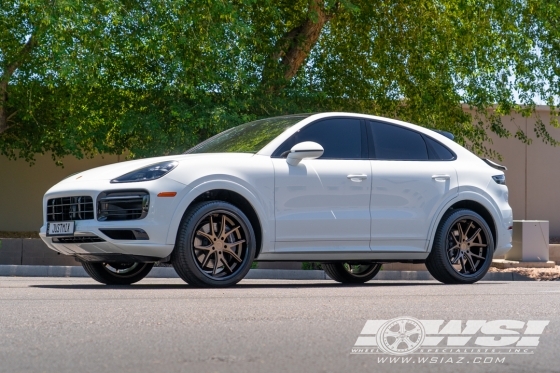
column 533, row 173
column 22, row 187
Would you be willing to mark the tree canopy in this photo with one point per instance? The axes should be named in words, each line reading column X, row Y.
column 154, row 77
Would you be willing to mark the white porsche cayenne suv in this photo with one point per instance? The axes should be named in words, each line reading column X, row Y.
column 350, row 191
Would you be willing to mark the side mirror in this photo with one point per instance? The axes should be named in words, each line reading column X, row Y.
column 304, row 150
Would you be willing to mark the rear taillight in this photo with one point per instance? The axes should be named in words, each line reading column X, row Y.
column 500, row 179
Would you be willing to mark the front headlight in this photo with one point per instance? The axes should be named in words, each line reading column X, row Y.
column 151, row 172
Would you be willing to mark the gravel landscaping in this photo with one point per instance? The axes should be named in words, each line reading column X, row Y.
column 538, row 274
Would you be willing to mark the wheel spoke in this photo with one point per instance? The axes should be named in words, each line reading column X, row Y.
column 475, row 235
column 402, row 326
column 390, row 333
column 461, row 234
column 228, row 233
column 236, row 243
column 471, row 263
column 462, row 260
column 226, row 266
column 207, row 248
column 204, row 234
column 212, row 232
column 478, row 256
column 416, row 330
column 395, row 344
column 468, row 229
column 456, row 259
column 215, row 266
column 455, row 238
column 232, row 254
column 206, row 259
column 409, row 343
column 454, row 247
column 222, row 227
column 478, row 245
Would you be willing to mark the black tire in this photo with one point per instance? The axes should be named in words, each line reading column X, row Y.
column 456, row 257
column 342, row 272
column 117, row 273
column 201, row 255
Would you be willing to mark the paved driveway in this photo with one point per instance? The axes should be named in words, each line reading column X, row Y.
column 163, row 325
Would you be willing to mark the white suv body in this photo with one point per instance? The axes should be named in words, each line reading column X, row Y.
column 375, row 191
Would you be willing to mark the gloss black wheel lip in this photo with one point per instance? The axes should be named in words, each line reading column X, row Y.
column 245, row 249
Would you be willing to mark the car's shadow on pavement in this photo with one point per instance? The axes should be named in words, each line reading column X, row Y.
column 242, row 286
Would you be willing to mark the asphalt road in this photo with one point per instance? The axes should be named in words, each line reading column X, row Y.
column 163, row 325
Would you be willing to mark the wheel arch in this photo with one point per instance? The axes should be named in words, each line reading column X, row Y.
column 480, row 210
column 472, row 202
column 229, row 192
column 238, row 201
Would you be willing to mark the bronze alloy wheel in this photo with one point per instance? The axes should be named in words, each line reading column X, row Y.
column 463, row 248
column 215, row 245
column 219, row 244
column 467, row 247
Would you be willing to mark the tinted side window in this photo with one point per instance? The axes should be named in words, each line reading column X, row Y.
column 438, row 151
column 340, row 137
column 393, row 142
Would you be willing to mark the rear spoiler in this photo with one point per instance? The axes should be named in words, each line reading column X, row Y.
column 494, row 164
column 449, row 135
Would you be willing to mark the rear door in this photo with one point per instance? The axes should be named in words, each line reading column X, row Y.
column 410, row 183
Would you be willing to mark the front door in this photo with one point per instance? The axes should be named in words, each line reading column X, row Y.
column 323, row 204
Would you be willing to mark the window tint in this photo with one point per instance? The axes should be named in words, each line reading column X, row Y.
column 340, row 137
column 393, row 142
column 438, row 151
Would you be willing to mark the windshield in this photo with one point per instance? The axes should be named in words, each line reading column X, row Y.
column 247, row 138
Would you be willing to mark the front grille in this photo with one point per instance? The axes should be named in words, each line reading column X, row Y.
column 70, row 208
column 122, row 205
column 78, row 239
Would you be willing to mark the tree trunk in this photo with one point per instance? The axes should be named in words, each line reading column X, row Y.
column 3, row 109
column 292, row 49
column 8, row 72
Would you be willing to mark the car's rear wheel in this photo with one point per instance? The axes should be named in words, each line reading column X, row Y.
column 116, row 273
column 215, row 245
column 463, row 248
column 351, row 273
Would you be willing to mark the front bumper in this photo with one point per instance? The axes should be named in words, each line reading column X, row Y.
column 155, row 223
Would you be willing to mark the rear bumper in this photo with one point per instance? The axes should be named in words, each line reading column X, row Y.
column 503, row 232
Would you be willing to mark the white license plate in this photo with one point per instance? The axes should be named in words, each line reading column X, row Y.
column 63, row 228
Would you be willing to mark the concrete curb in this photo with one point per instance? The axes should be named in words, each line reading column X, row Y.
column 254, row 274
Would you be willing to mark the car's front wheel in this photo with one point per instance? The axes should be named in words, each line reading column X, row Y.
column 113, row 273
column 215, row 245
column 463, row 248
column 351, row 273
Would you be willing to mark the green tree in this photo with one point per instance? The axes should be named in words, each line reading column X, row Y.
column 154, row 77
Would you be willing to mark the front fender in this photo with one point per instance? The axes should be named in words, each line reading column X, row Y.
column 264, row 213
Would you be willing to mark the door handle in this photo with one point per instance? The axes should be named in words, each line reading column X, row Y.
column 357, row 178
column 441, row 177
